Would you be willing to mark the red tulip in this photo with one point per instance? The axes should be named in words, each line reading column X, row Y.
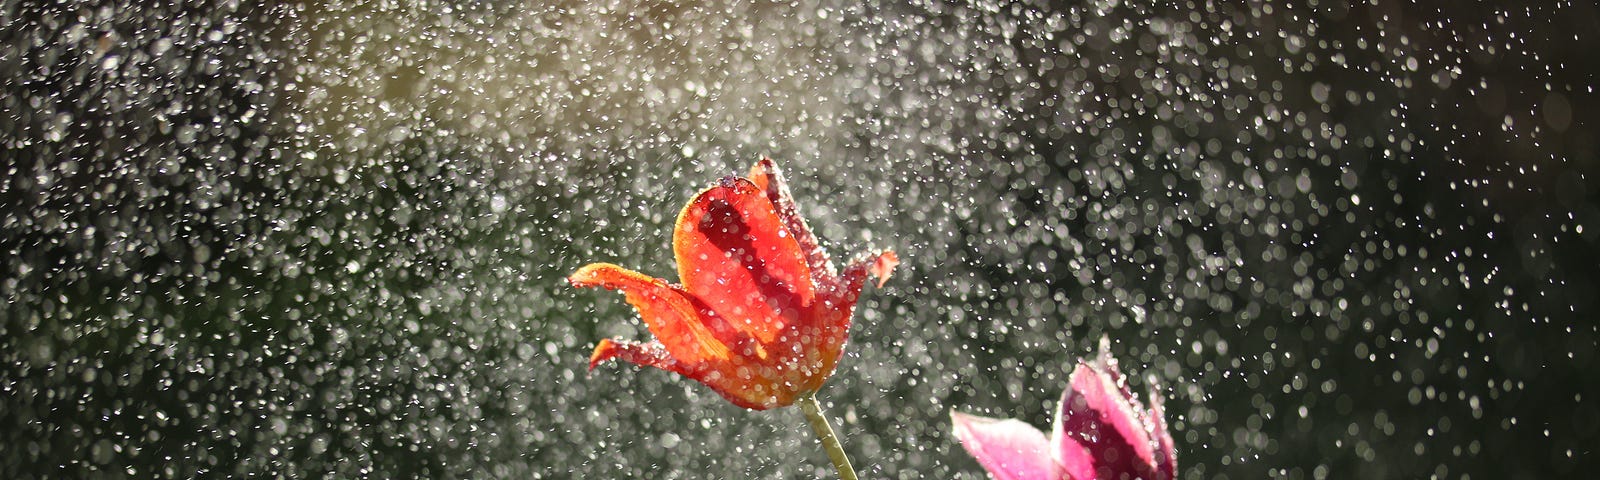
column 761, row 316
column 1101, row 432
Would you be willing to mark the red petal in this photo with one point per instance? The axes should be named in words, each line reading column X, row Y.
column 735, row 254
column 769, row 179
column 848, row 289
column 1009, row 449
column 830, row 320
column 1100, row 430
column 691, row 335
column 743, row 392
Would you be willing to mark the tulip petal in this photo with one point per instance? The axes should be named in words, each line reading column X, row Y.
column 691, row 334
column 1166, row 452
column 844, row 291
column 651, row 354
column 1009, row 449
column 882, row 266
column 736, row 255
column 1075, row 459
column 1099, row 432
column 831, row 319
column 736, row 390
column 769, row 179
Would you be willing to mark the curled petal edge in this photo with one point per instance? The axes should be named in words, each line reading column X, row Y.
column 647, row 354
column 687, row 333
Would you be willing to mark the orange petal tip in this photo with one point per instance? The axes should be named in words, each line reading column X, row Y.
column 763, row 168
column 883, row 266
column 602, row 352
column 610, row 276
column 587, row 276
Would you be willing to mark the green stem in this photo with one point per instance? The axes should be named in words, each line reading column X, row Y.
column 819, row 423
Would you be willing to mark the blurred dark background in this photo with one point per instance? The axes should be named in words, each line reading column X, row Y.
column 327, row 239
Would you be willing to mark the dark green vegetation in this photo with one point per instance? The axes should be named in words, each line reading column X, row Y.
column 329, row 240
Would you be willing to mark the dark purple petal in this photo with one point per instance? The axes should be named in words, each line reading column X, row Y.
column 1101, row 430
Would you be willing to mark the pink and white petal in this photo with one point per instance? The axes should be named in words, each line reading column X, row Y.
column 1107, row 365
column 1166, row 453
column 1074, row 459
column 1009, row 449
column 1096, row 417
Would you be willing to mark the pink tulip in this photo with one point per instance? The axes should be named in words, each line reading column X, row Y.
column 1102, row 432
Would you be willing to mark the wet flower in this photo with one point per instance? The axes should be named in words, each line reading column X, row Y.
column 761, row 315
column 1101, row 432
